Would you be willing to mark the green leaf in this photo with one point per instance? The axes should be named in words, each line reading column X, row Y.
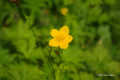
column 4, row 56
column 110, row 2
column 103, row 18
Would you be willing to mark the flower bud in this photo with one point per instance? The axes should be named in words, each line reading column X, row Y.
column 57, row 52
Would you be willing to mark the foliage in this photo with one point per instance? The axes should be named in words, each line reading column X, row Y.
column 95, row 49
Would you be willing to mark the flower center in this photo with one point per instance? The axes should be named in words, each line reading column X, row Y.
column 60, row 37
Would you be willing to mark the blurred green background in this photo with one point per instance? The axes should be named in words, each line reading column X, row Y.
column 95, row 49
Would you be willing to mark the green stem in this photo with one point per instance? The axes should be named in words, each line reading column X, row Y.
column 32, row 29
column 60, row 52
column 36, row 37
column 60, row 57
column 51, row 64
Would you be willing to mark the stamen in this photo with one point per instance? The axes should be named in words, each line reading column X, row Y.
column 60, row 37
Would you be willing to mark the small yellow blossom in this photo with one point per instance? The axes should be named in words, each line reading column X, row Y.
column 64, row 11
column 60, row 38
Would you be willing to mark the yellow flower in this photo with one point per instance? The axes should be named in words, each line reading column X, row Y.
column 60, row 38
column 64, row 11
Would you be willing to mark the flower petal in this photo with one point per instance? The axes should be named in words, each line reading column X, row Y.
column 64, row 11
column 53, row 43
column 64, row 30
column 69, row 38
column 54, row 32
column 63, row 45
